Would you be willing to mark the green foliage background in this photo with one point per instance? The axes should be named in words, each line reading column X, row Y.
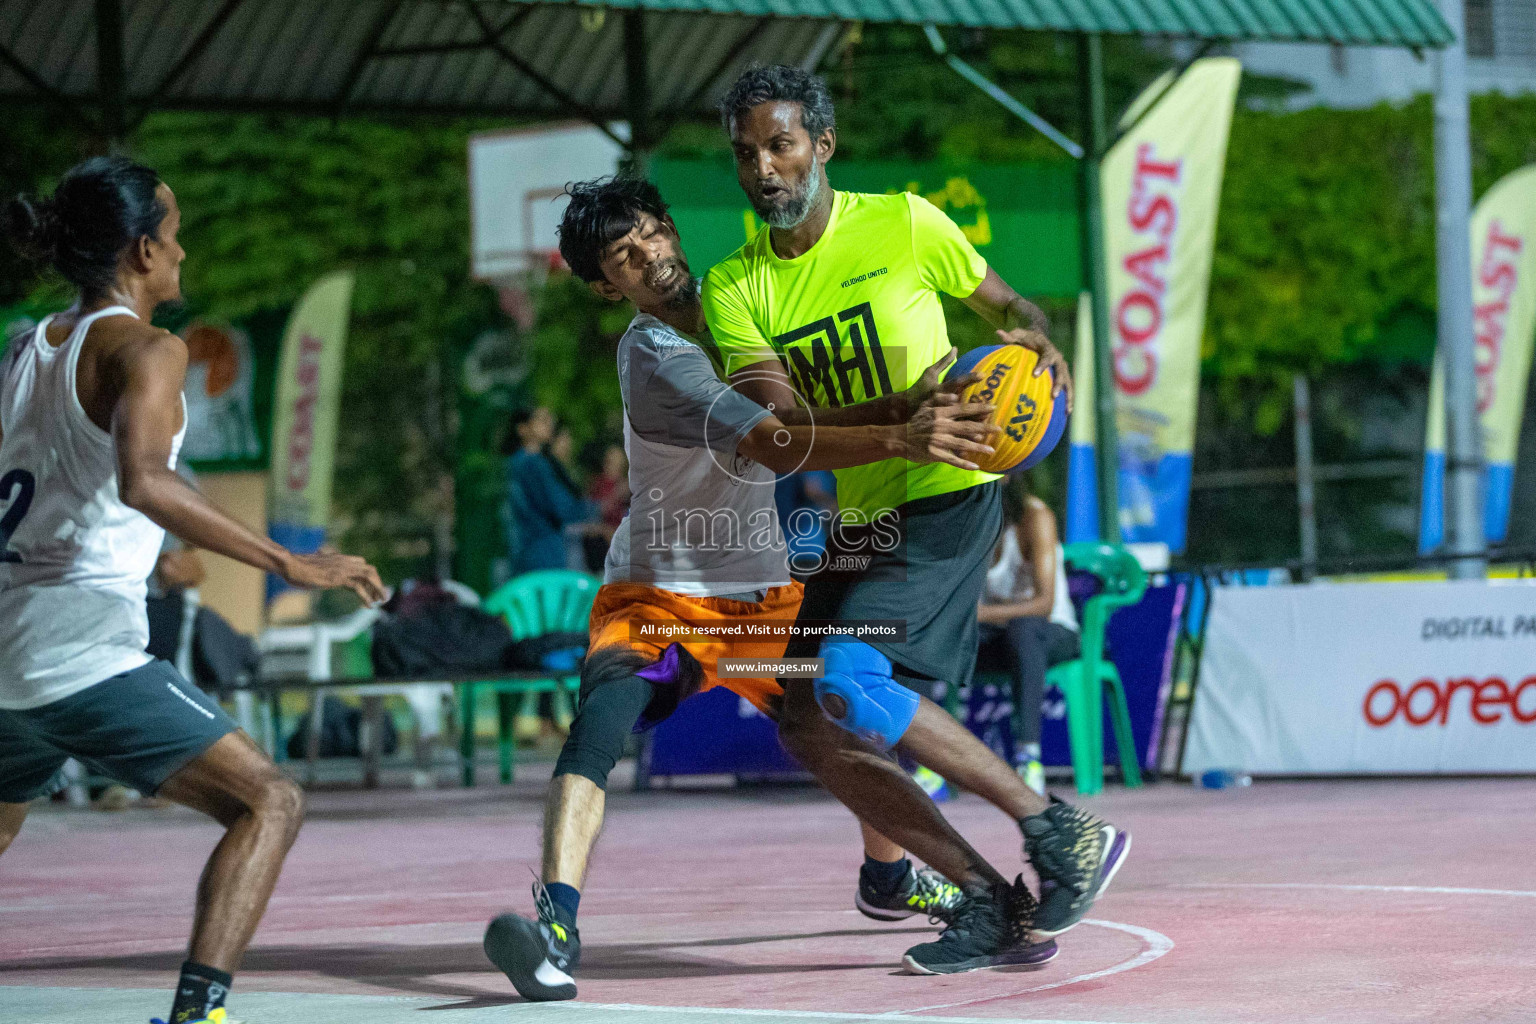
column 1324, row 264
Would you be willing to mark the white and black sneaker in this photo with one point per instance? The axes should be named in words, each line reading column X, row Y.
column 919, row 892
column 538, row 957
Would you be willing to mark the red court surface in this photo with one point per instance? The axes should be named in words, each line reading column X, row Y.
column 1339, row 902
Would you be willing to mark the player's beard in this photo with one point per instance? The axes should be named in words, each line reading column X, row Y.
column 686, row 293
column 686, row 297
column 793, row 213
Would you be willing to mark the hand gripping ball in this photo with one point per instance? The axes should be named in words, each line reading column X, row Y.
column 1032, row 421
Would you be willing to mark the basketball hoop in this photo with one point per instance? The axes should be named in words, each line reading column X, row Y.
column 517, row 183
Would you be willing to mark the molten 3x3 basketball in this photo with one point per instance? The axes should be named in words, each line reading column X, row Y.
column 1032, row 421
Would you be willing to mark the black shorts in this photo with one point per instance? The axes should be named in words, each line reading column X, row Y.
column 139, row 728
column 932, row 580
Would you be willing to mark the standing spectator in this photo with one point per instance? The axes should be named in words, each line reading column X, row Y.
column 609, row 492
column 609, row 489
column 542, row 498
column 1026, row 616
column 561, row 450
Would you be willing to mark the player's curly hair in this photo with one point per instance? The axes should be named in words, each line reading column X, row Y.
column 781, row 82
column 600, row 211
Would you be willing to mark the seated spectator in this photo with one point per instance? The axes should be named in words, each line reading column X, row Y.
column 1026, row 616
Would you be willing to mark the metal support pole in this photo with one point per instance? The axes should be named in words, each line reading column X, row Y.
column 1306, row 493
column 111, row 74
column 1013, row 106
column 1453, row 266
column 637, row 81
column 1090, row 70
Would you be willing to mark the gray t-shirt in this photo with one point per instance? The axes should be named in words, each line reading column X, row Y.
column 702, row 519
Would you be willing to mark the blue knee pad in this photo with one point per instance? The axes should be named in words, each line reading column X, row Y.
column 859, row 693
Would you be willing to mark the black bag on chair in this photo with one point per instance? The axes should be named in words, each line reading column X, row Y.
column 443, row 638
column 222, row 657
column 552, row 652
column 341, row 727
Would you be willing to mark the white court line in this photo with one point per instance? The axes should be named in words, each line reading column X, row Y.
column 1443, row 889
column 806, row 1014
column 1158, row 945
column 529, row 1010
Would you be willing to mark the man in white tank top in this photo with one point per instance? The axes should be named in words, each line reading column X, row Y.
column 91, row 421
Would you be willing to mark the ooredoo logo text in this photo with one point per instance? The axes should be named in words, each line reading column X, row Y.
column 1430, row 702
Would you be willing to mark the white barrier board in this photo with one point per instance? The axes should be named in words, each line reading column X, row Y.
column 1368, row 677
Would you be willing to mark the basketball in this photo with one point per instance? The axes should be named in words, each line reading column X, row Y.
column 1032, row 421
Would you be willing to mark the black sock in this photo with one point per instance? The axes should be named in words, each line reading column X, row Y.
column 200, row 991
column 567, row 899
column 886, row 875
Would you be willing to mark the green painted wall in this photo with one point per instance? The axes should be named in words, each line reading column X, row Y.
column 1021, row 217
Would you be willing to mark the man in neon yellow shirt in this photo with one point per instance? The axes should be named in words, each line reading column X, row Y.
column 836, row 303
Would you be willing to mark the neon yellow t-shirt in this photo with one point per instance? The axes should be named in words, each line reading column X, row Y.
column 856, row 317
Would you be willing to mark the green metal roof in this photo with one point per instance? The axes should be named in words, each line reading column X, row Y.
column 556, row 57
column 1415, row 23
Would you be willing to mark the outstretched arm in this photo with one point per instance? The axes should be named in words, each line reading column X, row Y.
column 1020, row 322
column 929, row 423
column 145, row 418
column 943, row 429
column 767, row 384
column 999, row 305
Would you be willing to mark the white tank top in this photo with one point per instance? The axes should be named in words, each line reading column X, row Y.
column 1012, row 578
column 74, row 559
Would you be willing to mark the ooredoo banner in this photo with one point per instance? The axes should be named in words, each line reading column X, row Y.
column 1359, row 678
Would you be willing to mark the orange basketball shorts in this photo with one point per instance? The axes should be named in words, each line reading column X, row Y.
column 621, row 611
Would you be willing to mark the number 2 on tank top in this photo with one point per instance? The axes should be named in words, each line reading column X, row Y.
column 16, row 487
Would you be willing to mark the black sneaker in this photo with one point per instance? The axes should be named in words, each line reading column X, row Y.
column 920, row 892
column 1076, row 855
column 990, row 929
column 538, row 957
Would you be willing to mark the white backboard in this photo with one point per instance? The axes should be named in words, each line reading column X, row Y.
column 515, row 182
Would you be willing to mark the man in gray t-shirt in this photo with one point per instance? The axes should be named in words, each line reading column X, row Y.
column 702, row 521
column 701, row 545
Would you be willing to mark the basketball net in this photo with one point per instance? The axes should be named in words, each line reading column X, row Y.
column 516, row 292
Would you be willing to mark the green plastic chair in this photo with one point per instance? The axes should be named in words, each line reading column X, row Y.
column 1091, row 679
column 533, row 604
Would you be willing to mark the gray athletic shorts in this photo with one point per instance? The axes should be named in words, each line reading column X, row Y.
column 139, row 728
column 931, row 580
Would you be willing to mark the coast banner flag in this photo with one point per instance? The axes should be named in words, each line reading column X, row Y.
column 1161, row 187
column 304, row 417
column 1082, row 465
column 1504, row 331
